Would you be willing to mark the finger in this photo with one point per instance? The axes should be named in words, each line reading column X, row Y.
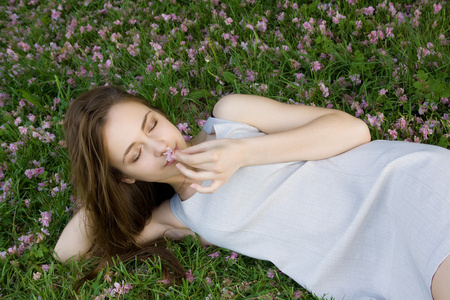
column 194, row 160
column 213, row 169
column 207, row 189
column 202, row 147
column 195, row 175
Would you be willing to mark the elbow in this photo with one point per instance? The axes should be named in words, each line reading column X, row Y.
column 362, row 132
column 354, row 130
column 60, row 255
column 63, row 251
column 63, row 254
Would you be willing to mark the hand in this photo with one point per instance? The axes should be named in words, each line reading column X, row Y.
column 215, row 160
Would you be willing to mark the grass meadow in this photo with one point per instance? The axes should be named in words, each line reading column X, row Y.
column 387, row 63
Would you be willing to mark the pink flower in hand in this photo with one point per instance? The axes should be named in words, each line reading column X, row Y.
column 169, row 154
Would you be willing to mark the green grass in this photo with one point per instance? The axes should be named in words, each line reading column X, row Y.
column 201, row 56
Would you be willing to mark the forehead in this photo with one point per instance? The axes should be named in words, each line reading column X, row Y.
column 123, row 122
column 126, row 110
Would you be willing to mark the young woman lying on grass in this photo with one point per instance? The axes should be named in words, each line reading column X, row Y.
column 297, row 185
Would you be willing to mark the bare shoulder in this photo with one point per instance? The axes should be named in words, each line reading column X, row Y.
column 162, row 220
column 163, row 215
column 164, row 224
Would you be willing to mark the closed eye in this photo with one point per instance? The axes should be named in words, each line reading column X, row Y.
column 154, row 125
column 140, row 149
column 138, row 156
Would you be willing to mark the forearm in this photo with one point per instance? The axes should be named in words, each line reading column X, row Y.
column 324, row 137
column 293, row 133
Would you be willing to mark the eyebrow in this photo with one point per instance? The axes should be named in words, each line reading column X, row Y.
column 144, row 122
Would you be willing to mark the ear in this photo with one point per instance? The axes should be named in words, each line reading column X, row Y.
column 127, row 180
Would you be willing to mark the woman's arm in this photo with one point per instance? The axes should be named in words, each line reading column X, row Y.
column 74, row 241
column 301, row 132
column 294, row 133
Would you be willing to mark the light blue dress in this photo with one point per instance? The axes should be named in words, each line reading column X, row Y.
column 372, row 223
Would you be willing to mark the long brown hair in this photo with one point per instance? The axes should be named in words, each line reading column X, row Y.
column 116, row 212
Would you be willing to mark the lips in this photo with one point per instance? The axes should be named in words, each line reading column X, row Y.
column 170, row 162
column 169, row 158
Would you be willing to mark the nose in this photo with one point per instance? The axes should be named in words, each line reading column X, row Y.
column 157, row 146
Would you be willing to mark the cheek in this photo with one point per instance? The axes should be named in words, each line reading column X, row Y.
column 146, row 170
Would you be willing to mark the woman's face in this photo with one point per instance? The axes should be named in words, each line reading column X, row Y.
column 136, row 138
